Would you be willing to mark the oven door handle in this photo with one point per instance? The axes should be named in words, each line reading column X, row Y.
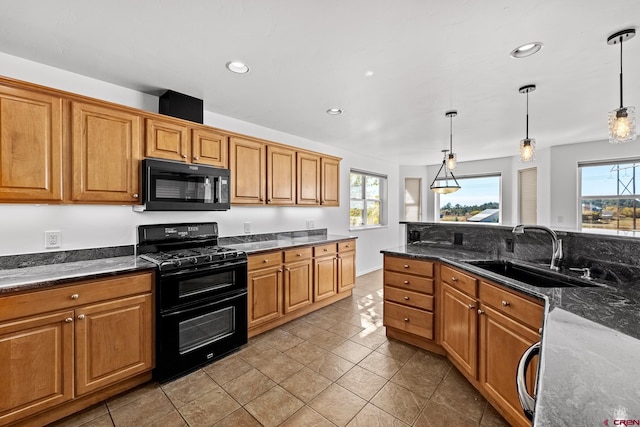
column 193, row 307
column 528, row 402
column 206, row 269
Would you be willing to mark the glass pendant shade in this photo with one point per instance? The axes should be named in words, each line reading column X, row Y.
column 622, row 125
column 452, row 161
column 444, row 182
column 527, row 150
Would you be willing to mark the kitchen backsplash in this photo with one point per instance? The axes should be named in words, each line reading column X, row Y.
column 617, row 255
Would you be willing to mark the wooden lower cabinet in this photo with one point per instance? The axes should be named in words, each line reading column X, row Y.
column 346, row 265
column 59, row 354
column 265, row 295
column 460, row 325
column 298, row 279
column 325, row 271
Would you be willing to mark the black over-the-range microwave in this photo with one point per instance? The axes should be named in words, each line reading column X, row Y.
column 168, row 185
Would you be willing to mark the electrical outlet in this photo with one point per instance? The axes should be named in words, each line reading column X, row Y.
column 51, row 239
column 247, row 227
column 508, row 242
column 310, row 224
column 457, row 238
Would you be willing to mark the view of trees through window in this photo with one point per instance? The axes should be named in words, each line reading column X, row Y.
column 610, row 196
column 478, row 200
column 366, row 198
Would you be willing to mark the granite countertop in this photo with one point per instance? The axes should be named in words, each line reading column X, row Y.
column 41, row 276
column 590, row 352
column 286, row 243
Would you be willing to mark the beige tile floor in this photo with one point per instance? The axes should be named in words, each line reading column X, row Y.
column 333, row 367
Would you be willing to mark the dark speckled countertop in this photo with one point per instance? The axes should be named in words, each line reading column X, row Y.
column 287, row 242
column 42, row 276
column 590, row 354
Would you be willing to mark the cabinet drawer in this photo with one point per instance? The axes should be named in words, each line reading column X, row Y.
column 459, row 280
column 293, row 255
column 347, row 246
column 407, row 319
column 513, row 305
column 14, row 306
column 409, row 282
column 414, row 299
column 265, row 260
column 325, row 250
column 406, row 265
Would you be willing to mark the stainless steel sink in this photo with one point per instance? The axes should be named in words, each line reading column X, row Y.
column 533, row 275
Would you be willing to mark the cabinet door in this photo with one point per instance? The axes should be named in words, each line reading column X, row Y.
column 36, row 364
column 30, row 146
column 210, row 148
column 346, row 271
column 459, row 328
column 265, row 295
column 325, row 272
column 166, row 140
column 298, row 285
column 330, row 179
column 106, row 154
column 308, row 179
column 113, row 341
column 247, row 164
column 502, row 342
column 281, row 176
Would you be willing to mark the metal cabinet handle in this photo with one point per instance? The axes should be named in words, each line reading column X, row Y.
column 279, row 270
column 454, row 279
column 406, row 266
column 406, row 282
column 265, row 261
column 298, row 254
column 471, row 306
column 196, row 158
column 75, row 296
column 406, row 319
column 68, row 320
column 527, row 402
column 480, row 311
column 135, row 195
column 325, row 249
column 406, row 298
column 81, row 316
column 288, row 269
column 184, row 156
column 506, row 303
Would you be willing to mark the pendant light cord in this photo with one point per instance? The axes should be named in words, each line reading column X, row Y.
column 527, row 125
column 621, row 103
column 451, row 134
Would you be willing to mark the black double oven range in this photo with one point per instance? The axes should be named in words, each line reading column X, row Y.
column 201, row 295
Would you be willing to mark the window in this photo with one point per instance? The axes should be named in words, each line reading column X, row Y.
column 368, row 200
column 609, row 196
column 478, row 201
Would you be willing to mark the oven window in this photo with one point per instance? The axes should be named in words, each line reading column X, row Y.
column 206, row 329
column 208, row 283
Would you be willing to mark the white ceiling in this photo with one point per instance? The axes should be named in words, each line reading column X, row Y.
column 307, row 56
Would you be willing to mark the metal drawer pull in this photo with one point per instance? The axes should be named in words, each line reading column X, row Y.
column 196, row 158
column 471, row 306
column 406, row 282
column 325, row 249
column 298, row 254
column 406, row 298
column 81, row 316
column 68, row 320
column 406, row 319
column 527, row 402
column 265, row 261
column 406, row 266
column 506, row 303
column 75, row 296
column 454, row 279
column 480, row 311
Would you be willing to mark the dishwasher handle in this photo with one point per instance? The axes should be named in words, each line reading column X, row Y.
column 527, row 402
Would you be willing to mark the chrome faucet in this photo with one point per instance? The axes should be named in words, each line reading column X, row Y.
column 556, row 243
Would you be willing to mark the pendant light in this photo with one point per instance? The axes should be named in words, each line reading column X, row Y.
column 451, row 159
column 622, row 121
column 527, row 145
column 450, row 184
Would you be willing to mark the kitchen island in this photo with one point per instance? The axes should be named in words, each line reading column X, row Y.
column 590, row 343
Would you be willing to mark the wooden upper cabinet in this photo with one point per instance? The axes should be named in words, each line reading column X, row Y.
column 30, row 146
column 330, row 191
column 247, row 162
column 281, row 175
column 106, row 152
column 209, row 148
column 167, row 140
column 308, row 179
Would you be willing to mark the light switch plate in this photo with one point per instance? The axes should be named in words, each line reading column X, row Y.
column 247, row 227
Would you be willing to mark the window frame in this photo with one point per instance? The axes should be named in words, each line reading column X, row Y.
column 436, row 204
column 635, row 195
column 383, row 201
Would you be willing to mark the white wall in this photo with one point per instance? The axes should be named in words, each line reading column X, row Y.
column 22, row 226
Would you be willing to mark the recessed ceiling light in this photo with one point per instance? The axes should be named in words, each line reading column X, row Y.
column 334, row 111
column 237, row 67
column 368, row 73
column 526, row 50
